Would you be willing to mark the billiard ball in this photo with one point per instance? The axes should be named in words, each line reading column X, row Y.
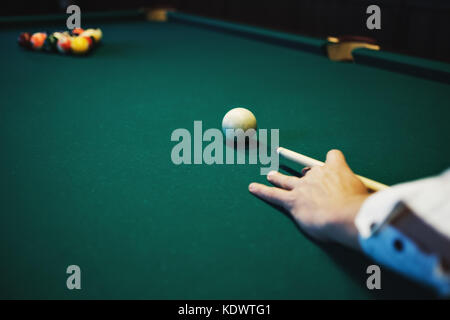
column 57, row 34
column 87, row 33
column 50, row 43
column 37, row 40
column 76, row 31
column 239, row 118
column 97, row 34
column 90, row 41
column 63, row 44
column 24, row 40
column 79, row 45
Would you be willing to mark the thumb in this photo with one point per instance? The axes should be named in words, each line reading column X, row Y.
column 336, row 158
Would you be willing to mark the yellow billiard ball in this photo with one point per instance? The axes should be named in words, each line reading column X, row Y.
column 97, row 34
column 79, row 45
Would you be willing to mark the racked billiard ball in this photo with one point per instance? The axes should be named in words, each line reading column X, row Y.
column 97, row 34
column 50, row 43
column 24, row 40
column 79, row 45
column 90, row 41
column 77, row 31
column 63, row 45
column 37, row 40
column 89, row 33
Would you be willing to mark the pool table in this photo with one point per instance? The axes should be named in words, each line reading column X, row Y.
column 86, row 176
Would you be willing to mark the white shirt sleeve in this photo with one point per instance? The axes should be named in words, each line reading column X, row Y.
column 429, row 199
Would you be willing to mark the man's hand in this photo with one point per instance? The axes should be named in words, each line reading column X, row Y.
column 324, row 202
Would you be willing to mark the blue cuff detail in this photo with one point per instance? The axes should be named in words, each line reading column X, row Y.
column 391, row 248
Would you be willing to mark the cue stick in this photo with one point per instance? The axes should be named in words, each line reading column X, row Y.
column 310, row 162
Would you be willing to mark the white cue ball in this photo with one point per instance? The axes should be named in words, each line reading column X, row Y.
column 238, row 118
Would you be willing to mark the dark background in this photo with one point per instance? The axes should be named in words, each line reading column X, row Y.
column 414, row 27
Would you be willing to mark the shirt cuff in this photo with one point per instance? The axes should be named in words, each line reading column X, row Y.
column 376, row 211
column 383, row 236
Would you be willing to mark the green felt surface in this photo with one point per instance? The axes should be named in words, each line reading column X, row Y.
column 86, row 176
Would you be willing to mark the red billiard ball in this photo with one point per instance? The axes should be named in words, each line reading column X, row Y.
column 24, row 40
column 77, row 31
column 90, row 41
column 63, row 44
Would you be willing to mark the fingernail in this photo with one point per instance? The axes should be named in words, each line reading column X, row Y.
column 251, row 187
column 270, row 174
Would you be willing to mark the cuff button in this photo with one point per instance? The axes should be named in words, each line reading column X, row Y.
column 398, row 245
